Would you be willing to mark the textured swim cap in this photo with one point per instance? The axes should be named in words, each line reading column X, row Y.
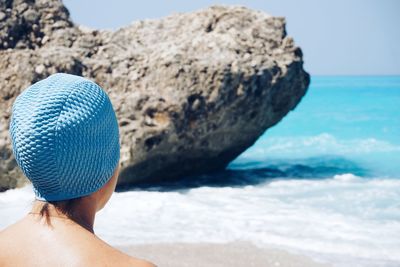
column 65, row 136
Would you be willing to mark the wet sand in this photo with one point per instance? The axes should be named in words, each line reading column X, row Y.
column 237, row 254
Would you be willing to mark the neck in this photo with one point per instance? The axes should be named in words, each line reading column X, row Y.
column 81, row 211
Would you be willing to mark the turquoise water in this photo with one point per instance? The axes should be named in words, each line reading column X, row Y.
column 342, row 121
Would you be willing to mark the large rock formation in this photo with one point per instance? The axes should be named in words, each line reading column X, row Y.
column 192, row 91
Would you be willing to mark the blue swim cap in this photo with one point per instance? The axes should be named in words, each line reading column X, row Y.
column 65, row 137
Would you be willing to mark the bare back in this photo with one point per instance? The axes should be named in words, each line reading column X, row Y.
column 31, row 242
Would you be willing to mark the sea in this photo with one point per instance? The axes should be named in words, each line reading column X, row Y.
column 324, row 182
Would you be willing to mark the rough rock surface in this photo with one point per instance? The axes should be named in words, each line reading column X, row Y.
column 191, row 91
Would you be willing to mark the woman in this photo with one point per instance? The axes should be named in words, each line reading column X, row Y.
column 65, row 139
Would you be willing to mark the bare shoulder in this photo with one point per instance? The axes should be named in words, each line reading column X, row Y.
column 7, row 241
column 115, row 257
column 131, row 261
column 120, row 259
column 7, row 235
column 18, row 245
column 3, row 241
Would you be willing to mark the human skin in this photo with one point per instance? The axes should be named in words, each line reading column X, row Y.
column 61, row 239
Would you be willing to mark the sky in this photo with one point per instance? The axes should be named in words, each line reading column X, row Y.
column 337, row 37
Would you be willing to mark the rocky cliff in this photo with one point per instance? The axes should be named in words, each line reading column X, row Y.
column 191, row 91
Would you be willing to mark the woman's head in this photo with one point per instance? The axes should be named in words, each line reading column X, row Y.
column 65, row 137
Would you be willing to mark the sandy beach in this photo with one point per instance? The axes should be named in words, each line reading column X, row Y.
column 237, row 254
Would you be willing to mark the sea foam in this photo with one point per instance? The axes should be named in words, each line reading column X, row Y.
column 343, row 220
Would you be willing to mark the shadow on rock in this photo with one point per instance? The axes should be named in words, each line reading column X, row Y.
column 240, row 174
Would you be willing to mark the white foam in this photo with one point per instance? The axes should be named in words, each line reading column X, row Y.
column 379, row 157
column 346, row 177
column 347, row 217
column 321, row 144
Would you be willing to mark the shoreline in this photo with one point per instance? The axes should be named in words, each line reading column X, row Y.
column 234, row 254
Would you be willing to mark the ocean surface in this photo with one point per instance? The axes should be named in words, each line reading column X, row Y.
column 324, row 182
